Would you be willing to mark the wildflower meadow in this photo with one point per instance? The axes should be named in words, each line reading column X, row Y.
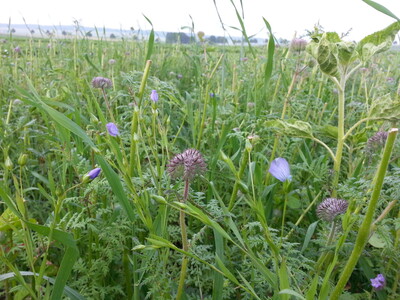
column 138, row 169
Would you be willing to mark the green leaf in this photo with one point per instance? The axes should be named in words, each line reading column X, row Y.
column 150, row 43
column 385, row 108
column 116, row 186
column 34, row 99
column 271, row 52
column 310, row 232
column 376, row 241
column 70, row 256
column 377, row 42
column 218, row 282
column 327, row 56
column 292, row 293
column 292, row 128
column 346, row 52
column 71, row 293
column 381, row 8
column 283, row 279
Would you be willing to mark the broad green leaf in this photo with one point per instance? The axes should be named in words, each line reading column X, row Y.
column 293, row 128
column 8, row 220
column 377, row 42
column 327, row 56
column 346, row 52
column 376, row 241
column 385, row 108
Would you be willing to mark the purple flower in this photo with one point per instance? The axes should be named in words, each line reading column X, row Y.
column 17, row 49
column 112, row 129
column 112, row 61
column 94, row 173
column 101, row 82
column 379, row 282
column 330, row 208
column 179, row 76
column 280, row 169
column 187, row 165
column 212, row 95
column 298, row 44
column 154, row 96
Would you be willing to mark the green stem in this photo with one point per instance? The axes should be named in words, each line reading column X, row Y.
column 365, row 228
column 185, row 244
column 143, row 82
column 340, row 142
column 243, row 164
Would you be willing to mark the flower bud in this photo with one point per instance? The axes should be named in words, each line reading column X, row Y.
column 23, row 158
column 8, row 163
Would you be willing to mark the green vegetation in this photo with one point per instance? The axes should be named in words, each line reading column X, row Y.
column 156, row 222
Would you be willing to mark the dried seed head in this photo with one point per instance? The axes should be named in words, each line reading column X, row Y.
column 101, row 83
column 330, row 208
column 377, row 141
column 187, row 165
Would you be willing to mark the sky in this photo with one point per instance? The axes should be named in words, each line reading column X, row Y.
column 286, row 17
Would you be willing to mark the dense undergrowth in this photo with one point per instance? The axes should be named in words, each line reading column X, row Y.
column 118, row 234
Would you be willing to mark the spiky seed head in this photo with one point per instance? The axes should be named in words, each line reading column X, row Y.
column 377, row 141
column 187, row 165
column 330, row 208
column 101, row 83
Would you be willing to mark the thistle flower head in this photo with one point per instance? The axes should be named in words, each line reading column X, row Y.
column 101, row 83
column 298, row 44
column 17, row 49
column 377, row 141
column 187, row 165
column 330, row 208
column 112, row 129
column 280, row 169
column 112, row 61
column 379, row 282
column 154, row 96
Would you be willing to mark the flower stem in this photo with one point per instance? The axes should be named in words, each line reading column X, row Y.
column 365, row 228
column 340, row 137
column 185, row 244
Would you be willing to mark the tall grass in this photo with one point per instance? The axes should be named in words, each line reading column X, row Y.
column 248, row 236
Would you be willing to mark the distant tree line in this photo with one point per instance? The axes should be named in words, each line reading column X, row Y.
column 183, row 38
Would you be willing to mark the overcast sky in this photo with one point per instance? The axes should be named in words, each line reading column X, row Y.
column 285, row 16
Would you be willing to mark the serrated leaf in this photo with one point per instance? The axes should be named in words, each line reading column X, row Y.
column 385, row 108
column 327, row 56
column 294, row 128
column 346, row 51
column 377, row 42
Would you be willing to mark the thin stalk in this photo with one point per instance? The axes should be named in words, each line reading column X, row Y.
column 365, row 228
column 185, row 243
column 340, row 143
column 243, row 164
